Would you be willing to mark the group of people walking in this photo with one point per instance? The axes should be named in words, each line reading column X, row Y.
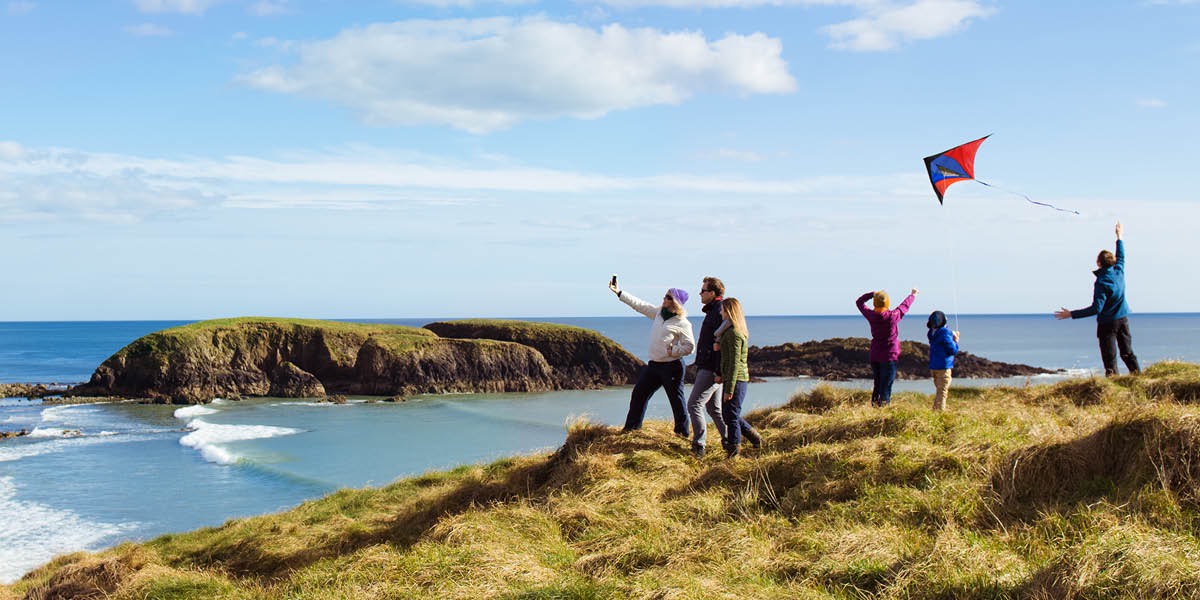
column 722, row 371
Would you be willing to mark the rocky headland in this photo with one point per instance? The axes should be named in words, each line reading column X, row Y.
column 839, row 359
column 307, row 358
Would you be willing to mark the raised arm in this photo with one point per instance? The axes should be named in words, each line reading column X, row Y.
column 862, row 308
column 907, row 304
column 648, row 310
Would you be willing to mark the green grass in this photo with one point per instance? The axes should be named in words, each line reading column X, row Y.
column 1083, row 489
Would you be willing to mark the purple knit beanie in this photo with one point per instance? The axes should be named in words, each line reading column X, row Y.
column 680, row 295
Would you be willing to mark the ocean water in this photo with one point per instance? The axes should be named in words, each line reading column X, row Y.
column 93, row 475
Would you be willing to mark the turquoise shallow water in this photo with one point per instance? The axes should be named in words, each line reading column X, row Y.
column 134, row 471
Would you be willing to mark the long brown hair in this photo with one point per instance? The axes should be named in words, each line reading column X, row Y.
column 733, row 310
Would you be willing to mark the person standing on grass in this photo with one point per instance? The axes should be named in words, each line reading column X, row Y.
column 943, row 345
column 670, row 341
column 706, row 391
column 1110, row 309
column 885, row 340
column 735, row 377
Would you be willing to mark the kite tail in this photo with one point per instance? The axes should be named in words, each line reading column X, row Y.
column 1030, row 200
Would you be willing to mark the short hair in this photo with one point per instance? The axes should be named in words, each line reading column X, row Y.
column 715, row 285
column 1106, row 259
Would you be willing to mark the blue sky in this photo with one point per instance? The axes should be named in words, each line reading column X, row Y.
column 183, row 159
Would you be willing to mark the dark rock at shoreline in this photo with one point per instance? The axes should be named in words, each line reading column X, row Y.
column 290, row 381
column 28, row 390
column 12, row 434
column 847, row 358
column 305, row 358
column 578, row 358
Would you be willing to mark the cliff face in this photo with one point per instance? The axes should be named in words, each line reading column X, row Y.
column 302, row 358
column 579, row 357
column 847, row 358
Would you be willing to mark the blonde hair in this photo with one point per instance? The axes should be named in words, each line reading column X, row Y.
column 882, row 302
column 733, row 310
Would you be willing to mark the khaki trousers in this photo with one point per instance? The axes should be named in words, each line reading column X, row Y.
column 941, row 384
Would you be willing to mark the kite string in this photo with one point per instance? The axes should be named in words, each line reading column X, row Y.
column 953, row 264
column 1028, row 199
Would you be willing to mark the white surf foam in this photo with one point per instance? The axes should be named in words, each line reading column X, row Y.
column 219, row 401
column 54, row 432
column 196, row 410
column 209, row 437
column 42, row 532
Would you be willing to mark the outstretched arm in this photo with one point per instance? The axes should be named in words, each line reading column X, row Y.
column 907, row 304
column 647, row 309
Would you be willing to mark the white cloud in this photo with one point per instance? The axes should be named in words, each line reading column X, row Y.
column 884, row 24
column 21, row 7
column 739, row 155
column 148, row 30
column 11, row 151
column 269, row 8
column 188, row 7
column 1151, row 103
column 887, row 26
column 65, row 184
column 465, row 3
column 487, row 74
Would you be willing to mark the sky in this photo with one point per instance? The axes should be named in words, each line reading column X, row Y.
column 192, row 159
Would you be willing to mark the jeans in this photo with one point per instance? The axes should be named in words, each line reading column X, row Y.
column 885, row 374
column 707, row 394
column 1113, row 335
column 667, row 375
column 731, row 412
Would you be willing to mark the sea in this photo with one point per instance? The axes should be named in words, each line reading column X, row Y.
column 91, row 476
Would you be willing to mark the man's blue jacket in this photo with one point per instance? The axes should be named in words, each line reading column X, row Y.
column 1108, row 297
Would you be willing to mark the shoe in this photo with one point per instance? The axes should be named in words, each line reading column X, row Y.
column 753, row 437
column 731, row 452
column 684, row 434
column 698, row 450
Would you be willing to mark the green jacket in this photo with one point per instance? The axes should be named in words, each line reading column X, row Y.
column 734, row 352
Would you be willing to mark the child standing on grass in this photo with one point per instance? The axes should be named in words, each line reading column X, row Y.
column 943, row 345
column 885, row 340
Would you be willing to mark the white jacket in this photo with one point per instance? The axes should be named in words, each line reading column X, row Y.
column 670, row 339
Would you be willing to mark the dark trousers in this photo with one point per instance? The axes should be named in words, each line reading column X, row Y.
column 731, row 413
column 885, row 374
column 667, row 375
column 1113, row 335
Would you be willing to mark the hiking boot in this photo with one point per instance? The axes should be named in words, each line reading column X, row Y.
column 753, row 437
column 731, row 452
column 698, row 450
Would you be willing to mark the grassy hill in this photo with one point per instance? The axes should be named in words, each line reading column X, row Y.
column 1083, row 489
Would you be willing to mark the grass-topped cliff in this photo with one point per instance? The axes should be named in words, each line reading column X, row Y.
column 256, row 356
column 1084, row 489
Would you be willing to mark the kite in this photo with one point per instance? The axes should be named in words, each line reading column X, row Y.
column 958, row 164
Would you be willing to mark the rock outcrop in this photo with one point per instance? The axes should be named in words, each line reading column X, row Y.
column 847, row 358
column 28, row 390
column 304, row 358
column 577, row 355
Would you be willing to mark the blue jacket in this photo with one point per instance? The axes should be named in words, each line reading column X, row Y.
column 706, row 357
column 1108, row 296
column 942, row 348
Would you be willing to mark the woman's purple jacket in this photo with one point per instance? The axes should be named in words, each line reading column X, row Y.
column 885, row 328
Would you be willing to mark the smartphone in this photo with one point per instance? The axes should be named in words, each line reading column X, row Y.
column 614, row 280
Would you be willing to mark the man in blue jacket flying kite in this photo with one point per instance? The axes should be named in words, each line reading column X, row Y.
column 1110, row 309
